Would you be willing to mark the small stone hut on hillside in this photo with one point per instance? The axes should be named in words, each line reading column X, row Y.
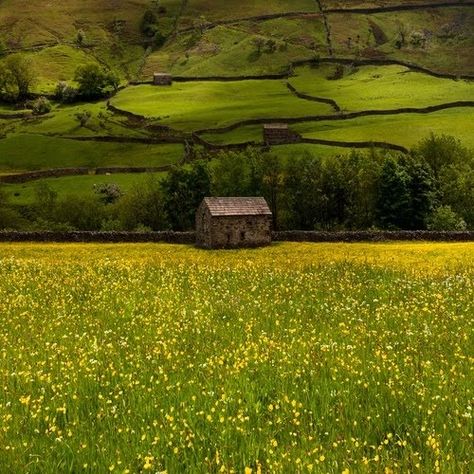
column 232, row 222
column 162, row 79
column 278, row 133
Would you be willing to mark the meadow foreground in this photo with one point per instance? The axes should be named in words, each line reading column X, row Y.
column 295, row 358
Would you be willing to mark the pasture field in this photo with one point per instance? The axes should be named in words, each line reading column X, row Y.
column 36, row 152
column 403, row 129
column 329, row 358
column 77, row 186
column 196, row 105
column 376, row 88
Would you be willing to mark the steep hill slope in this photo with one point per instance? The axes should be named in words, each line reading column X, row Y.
column 343, row 73
column 232, row 38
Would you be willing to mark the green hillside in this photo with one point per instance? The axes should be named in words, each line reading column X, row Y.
column 313, row 63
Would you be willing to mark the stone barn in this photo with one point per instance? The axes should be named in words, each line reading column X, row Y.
column 278, row 133
column 162, row 79
column 232, row 222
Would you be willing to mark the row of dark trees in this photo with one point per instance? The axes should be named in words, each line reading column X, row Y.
column 432, row 188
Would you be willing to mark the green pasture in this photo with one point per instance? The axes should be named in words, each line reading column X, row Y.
column 375, row 87
column 83, row 186
column 21, row 152
column 62, row 121
column 197, row 105
column 404, row 129
column 215, row 11
column 447, row 43
column 223, row 51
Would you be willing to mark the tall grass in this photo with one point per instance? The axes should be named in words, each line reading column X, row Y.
column 296, row 358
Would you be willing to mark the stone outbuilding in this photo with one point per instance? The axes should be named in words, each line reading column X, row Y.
column 278, row 134
column 232, row 222
column 162, row 79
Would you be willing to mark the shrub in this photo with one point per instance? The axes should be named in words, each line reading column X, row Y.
column 40, row 106
column 80, row 38
column 83, row 117
column 444, row 218
column 65, row 93
column 109, row 192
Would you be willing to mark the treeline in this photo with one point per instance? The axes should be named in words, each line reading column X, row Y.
column 432, row 188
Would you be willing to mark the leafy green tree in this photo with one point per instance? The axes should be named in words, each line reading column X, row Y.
column 394, row 196
column 422, row 193
column 80, row 213
column 45, row 200
column 149, row 24
column 361, row 175
column 10, row 219
column 442, row 151
column 456, row 188
column 272, row 184
column 143, row 206
column 16, row 77
column 231, row 175
column 444, row 218
column 94, row 82
column 83, row 117
column 304, row 198
column 183, row 191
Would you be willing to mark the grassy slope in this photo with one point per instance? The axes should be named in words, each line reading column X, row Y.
column 165, row 357
column 196, row 105
column 405, row 129
column 21, row 194
column 33, row 152
column 449, row 45
column 229, row 50
column 389, row 87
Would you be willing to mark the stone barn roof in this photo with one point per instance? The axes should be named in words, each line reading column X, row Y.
column 275, row 126
column 237, row 206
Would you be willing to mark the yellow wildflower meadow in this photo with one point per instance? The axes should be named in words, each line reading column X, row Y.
column 303, row 358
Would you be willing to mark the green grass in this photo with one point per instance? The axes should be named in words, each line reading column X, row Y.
column 246, row 8
column 35, row 152
column 253, row 133
column 404, row 129
column 295, row 358
column 197, row 105
column 388, row 87
column 449, row 42
column 226, row 51
column 23, row 194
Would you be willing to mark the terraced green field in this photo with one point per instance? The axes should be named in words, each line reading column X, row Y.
column 233, row 39
column 380, row 88
column 197, row 105
column 36, row 152
column 404, row 129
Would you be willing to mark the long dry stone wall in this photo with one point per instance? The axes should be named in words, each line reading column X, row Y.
column 190, row 237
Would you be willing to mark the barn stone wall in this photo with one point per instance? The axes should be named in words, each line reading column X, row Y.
column 162, row 79
column 279, row 135
column 240, row 231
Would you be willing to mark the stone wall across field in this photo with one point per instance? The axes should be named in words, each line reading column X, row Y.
column 373, row 236
column 42, row 174
column 283, row 236
column 99, row 237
